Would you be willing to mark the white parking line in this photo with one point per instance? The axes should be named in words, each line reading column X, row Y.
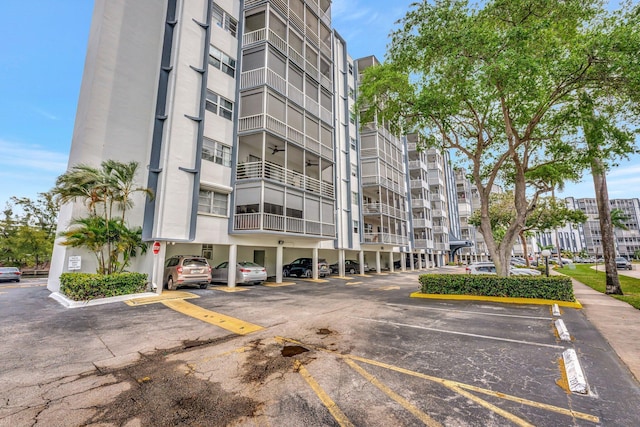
column 472, row 312
column 457, row 333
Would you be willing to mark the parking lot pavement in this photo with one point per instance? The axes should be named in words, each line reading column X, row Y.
column 337, row 352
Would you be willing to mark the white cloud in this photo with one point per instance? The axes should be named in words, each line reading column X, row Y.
column 20, row 156
column 46, row 114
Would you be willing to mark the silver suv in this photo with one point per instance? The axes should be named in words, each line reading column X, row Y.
column 186, row 270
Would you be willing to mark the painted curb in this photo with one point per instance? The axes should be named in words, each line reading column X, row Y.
column 68, row 303
column 575, row 375
column 563, row 332
column 506, row 300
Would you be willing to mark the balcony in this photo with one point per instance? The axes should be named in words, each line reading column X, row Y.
column 423, row 243
column 420, row 203
column 422, row 223
column 383, row 209
column 385, row 238
column 440, row 229
column 437, row 197
column 464, row 209
column 441, row 246
column 418, row 184
column 277, row 173
column 368, row 181
column 417, row 164
column 283, row 224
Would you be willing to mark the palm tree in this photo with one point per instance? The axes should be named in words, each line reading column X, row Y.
column 618, row 219
column 101, row 190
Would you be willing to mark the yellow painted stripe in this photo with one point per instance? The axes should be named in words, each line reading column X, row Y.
column 508, row 415
column 426, row 419
column 386, row 288
column 315, row 280
column 229, row 323
column 343, row 277
column 228, row 289
column 353, row 283
column 449, row 383
column 535, row 301
column 277, row 285
column 164, row 296
column 338, row 415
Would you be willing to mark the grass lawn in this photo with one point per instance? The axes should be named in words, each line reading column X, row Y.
column 596, row 279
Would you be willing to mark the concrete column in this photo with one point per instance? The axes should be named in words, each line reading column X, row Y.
column 233, row 260
column 391, row 262
column 361, row 260
column 411, row 263
column 279, row 255
column 314, row 260
column 157, row 270
column 341, row 269
column 378, row 262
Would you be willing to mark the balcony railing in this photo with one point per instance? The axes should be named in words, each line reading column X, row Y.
column 440, row 229
column 280, row 223
column 385, row 238
column 422, row 223
column 277, row 173
column 423, row 243
column 420, row 203
column 383, row 209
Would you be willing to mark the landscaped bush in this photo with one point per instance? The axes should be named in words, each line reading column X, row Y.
column 554, row 287
column 86, row 286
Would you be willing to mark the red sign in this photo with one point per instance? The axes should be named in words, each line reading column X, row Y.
column 156, row 247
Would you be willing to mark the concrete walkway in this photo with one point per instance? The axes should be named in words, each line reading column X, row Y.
column 617, row 322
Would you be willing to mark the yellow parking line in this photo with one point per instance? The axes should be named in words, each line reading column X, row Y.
column 228, row 289
column 277, row 285
column 315, row 280
column 426, row 419
column 353, row 283
column 164, row 296
column 229, row 323
column 338, row 415
column 454, row 385
column 386, row 288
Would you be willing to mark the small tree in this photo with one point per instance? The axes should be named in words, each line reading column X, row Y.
column 105, row 192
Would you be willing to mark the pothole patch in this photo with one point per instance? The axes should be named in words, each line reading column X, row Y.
column 293, row 350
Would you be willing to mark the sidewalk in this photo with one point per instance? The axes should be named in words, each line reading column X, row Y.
column 617, row 322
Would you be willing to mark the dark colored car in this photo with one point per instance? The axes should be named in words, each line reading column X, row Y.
column 303, row 267
column 350, row 266
column 10, row 274
column 397, row 264
column 623, row 264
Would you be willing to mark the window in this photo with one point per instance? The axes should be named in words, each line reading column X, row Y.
column 219, row 105
column 351, row 93
column 222, row 61
column 351, row 69
column 356, row 226
column 354, row 146
column 207, row 251
column 354, row 197
column 223, row 20
column 216, row 152
column 211, row 202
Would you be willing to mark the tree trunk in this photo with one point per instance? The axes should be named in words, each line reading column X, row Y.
column 606, row 228
column 525, row 251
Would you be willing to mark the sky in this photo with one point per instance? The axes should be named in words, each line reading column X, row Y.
column 43, row 45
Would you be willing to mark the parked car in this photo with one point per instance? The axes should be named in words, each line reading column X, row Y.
column 397, row 264
column 246, row 272
column 187, row 270
column 350, row 266
column 303, row 267
column 516, row 261
column 490, row 268
column 10, row 274
column 623, row 263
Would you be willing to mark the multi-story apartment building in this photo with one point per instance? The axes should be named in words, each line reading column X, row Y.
column 240, row 115
column 467, row 254
column 627, row 241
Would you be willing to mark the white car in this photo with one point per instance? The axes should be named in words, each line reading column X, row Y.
column 490, row 268
column 246, row 272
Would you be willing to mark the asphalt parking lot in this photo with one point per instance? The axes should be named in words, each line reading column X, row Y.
column 335, row 352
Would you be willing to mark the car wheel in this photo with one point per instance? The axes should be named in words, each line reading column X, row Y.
column 308, row 273
column 170, row 283
column 352, row 271
column 18, row 280
column 204, row 285
column 285, row 273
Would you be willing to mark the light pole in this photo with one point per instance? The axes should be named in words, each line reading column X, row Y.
column 546, row 254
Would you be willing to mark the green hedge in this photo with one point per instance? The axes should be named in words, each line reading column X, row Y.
column 554, row 288
column 86, row 286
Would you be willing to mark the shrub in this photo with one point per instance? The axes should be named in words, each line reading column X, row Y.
column 555, row 288
column 86, row 286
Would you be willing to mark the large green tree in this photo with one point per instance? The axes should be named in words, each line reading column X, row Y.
column 492, row 81
column 107, row 192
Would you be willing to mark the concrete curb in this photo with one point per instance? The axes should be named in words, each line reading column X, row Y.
column 506, row 300
column 575, row 375
column 68, row 303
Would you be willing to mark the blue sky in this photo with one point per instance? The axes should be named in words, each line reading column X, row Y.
column 43, row 49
